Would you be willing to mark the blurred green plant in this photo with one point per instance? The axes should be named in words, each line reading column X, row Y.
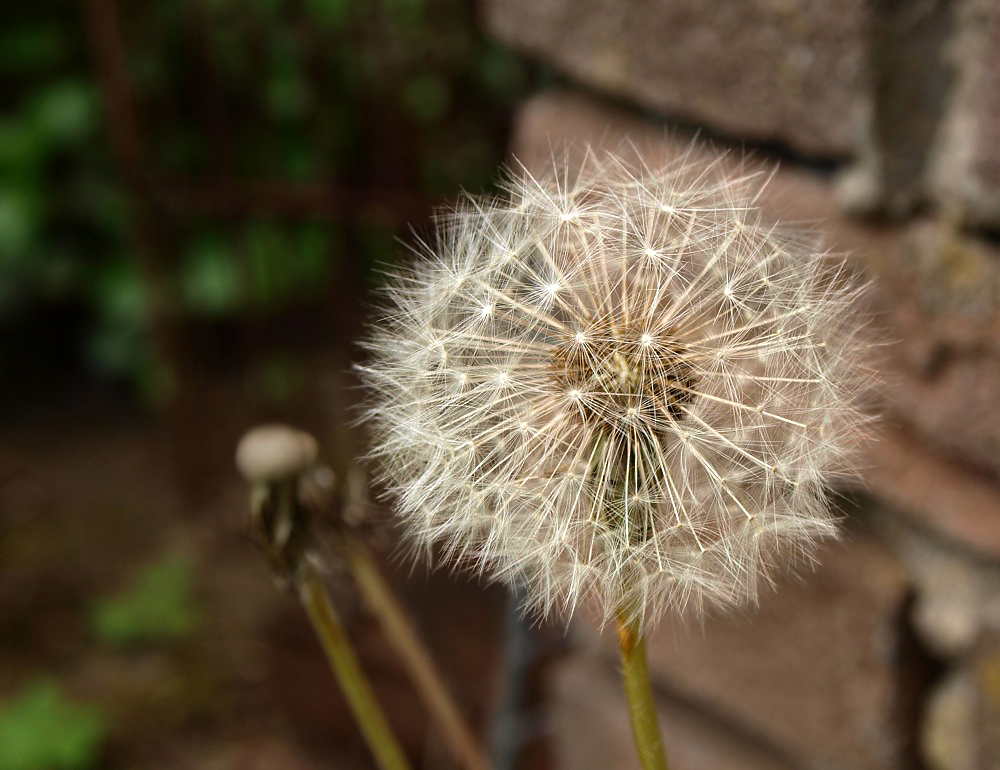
column 277, row 379
column 261, row 267
column 156, row 607
column 311, row 91
column 40, row 729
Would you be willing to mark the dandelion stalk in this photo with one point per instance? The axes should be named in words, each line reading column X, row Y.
column 382, row 603
column 339, row 653
column 639, row 694
column 272, row 458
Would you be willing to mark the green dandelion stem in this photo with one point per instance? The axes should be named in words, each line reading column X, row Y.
column 367, row 712
column 399, row 630
column 639, row 693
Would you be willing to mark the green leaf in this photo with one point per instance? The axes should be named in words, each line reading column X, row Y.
column 158, row 606
column 22, row 147
column 42, row 730
column 118, row 345
column 119, row 295
column 332, row 14
column 65, row 112
column 405, row 15
column 313, row 258
column 115, row 350
column 31, row 47
column 300, row 159
column 287, row 92
column 211, row 280
column 501, row 73
column 21, row 212
column 104, row 203
column 427, row 97
column 269, row 280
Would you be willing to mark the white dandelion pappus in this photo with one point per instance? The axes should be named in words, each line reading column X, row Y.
column 619, row 385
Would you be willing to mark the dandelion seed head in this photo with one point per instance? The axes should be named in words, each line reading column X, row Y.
column 617, row 385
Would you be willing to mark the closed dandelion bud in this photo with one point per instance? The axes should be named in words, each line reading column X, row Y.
column 617, row 385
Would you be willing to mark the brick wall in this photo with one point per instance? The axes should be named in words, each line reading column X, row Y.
column 886, row 119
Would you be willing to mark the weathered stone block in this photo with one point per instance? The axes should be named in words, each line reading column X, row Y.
column 942, row 292
column 965, row 174
column 590, row 726
column 957, row 596
column 961, row 726
column 946, row 497
column 793, row 195
column 910, row 84
column 948, row 740
column 787, row 71
column 815, row 671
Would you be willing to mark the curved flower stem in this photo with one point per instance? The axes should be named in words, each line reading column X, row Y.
column 399, row 630
column 340, row 654
column 639, row 692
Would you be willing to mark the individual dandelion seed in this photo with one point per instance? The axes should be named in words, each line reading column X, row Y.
column 620, row 385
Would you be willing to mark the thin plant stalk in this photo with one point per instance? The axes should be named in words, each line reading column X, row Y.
column 398, row 629
column 639, row 693
column 273, row 458
column 367, row 712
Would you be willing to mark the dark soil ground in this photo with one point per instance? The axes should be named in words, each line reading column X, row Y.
column 93, row 488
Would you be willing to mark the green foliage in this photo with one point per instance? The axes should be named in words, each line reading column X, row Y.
column 54, row 236
column 501, row 72
column 21, row 212
column 31, row 46
column 42, row 730
column 211, row 280
column 332, row 14
column 156, row 607
column 65, row 112
column 287, row 91
column 117, row 342
column 277, row 379
column 287, row 263
column 310, row 91
column 427, row 97
column 261, row 267
column 405, row 15
column 22, row 148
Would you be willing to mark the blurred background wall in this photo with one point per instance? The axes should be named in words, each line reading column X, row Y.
column 884, row 119
column 195, row 198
